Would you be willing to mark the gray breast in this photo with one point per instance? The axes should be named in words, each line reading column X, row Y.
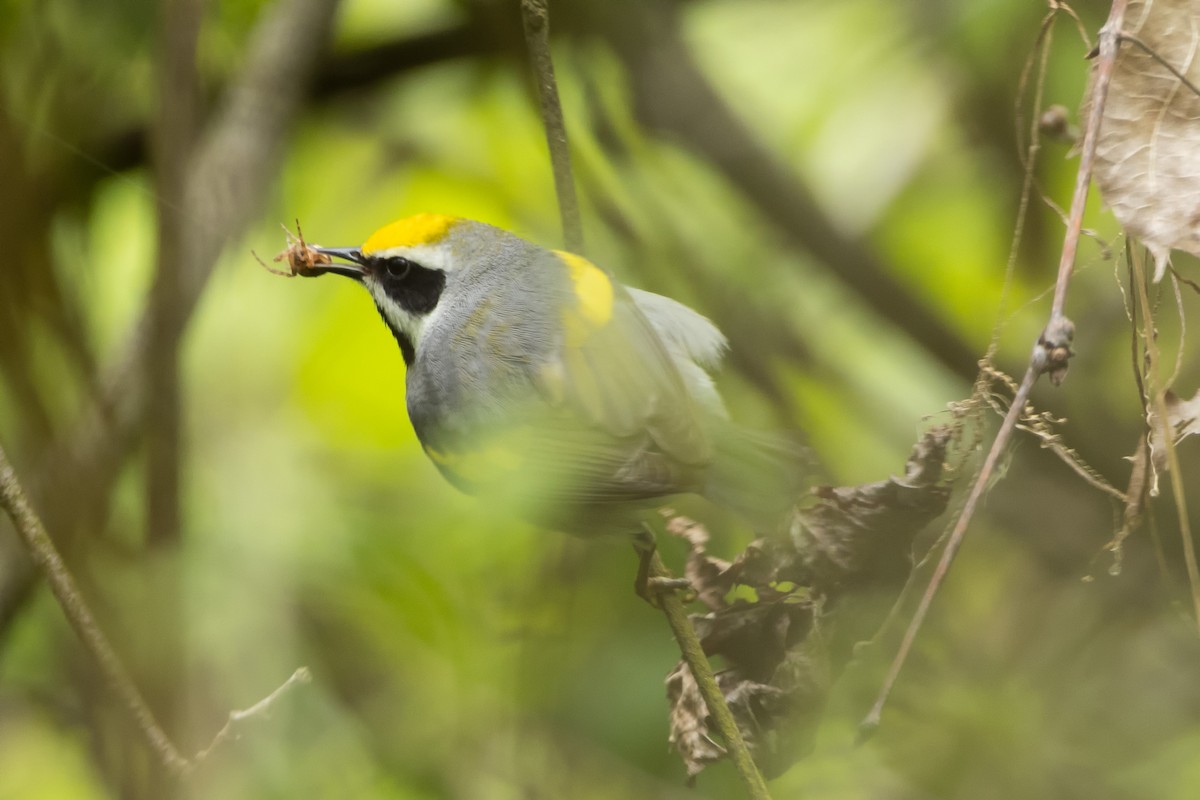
column 495, row 324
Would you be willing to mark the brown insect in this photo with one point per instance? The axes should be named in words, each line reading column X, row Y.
column 301, row 259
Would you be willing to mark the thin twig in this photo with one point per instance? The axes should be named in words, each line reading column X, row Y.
column 46, row 557
column 1084, row 470
column 1028, row 158
column 1135, row 499
column 1059, row 5
column 1157, row 393
column 536, row 19
column 1182, row 333
column 706, row 681
column 871, row 721
column 175, row 124
column 1051, row 353
column 1135, row 336
column 1042, row 46
column 1108, row 42
column 261, row 708
column 1041, row 425
column 1195, row 287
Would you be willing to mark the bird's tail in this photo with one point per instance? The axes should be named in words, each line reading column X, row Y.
column 759, row 476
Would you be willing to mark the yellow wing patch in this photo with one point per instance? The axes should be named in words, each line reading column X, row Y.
column 411, row 231
column 594, row 293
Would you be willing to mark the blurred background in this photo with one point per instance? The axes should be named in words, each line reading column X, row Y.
column 224, row 457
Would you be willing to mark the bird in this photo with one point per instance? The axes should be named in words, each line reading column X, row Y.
column 535, row 378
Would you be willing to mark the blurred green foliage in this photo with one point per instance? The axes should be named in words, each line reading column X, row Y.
column 458, row 654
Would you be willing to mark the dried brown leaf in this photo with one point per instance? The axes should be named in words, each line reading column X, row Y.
column 1148, row 148
column 709, row 576
column 689, row 722
column 857, row 535
column 767, row 606
column 1183, row 420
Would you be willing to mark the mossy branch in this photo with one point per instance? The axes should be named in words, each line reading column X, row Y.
column 706, row 681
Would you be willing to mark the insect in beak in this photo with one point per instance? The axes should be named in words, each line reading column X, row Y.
column 355, row 269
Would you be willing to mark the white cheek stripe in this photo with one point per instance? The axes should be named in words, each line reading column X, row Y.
column 430, row 256
column 411, row 325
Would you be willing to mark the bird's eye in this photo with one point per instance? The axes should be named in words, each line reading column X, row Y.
column 397, row 267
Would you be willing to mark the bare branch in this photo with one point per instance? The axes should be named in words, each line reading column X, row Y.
column 1108, row 43
column 48, row 560
column 174, row 129
column 46, row 556
column 260, row 709
column 535, row 16
column 675, row 98
column 234, row 163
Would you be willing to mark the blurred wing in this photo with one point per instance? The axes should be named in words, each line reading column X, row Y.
column 562, row 460
column 686, row 333
column 694, row 343
column 616, row 373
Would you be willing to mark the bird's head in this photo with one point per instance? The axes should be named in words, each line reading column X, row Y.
column 405, row 266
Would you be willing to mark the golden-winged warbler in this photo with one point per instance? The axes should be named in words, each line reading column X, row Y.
column 534, row 378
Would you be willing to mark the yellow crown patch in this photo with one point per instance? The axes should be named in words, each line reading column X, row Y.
column 411, row 231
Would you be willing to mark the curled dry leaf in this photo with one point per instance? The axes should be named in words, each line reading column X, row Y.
column 710, row 577
column 689, row 722
column 863, row 534
column 1148, row 148
column 1183, row 420
column 769, row 608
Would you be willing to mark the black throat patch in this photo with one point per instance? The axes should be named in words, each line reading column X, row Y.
column 410, row 286
column 406, row 346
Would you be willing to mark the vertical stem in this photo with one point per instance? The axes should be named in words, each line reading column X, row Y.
column 1109, row 40
column 1156, row 394
column 536, row 19
column 174, row 133
column 173, row 139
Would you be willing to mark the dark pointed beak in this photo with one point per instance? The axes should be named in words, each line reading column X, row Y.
column 355, row 269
